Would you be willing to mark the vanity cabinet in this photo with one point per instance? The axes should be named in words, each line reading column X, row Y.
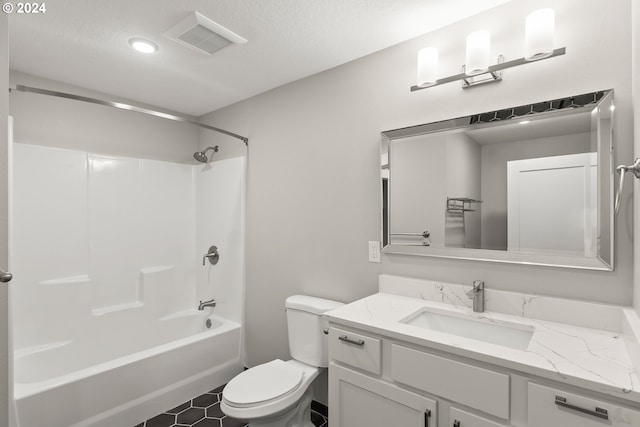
column 375, row 381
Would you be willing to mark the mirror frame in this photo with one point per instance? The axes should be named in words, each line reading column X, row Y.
column 566, row 106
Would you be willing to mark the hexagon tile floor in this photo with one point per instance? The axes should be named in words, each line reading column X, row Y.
column 204, row 411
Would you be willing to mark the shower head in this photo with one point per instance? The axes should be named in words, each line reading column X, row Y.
column 201, row 156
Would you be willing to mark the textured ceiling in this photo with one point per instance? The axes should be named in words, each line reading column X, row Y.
column 84, row 42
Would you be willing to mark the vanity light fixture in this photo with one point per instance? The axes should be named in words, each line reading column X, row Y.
column 143, row 45
column 539, row 40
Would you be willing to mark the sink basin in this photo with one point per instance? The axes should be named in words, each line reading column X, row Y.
column 506, row 334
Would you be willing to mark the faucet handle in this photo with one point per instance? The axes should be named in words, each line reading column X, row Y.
column 212, row 254
column 478, row 286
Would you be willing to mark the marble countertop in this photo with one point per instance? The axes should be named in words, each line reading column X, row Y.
column 602, row 357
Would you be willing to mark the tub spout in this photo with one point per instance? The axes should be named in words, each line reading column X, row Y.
column 210, row 303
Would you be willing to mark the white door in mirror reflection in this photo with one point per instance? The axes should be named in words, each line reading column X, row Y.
column 552, row 205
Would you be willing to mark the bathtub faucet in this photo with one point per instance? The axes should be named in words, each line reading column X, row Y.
column 210, row 303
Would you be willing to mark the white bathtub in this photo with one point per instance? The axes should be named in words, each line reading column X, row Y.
column 120, row 379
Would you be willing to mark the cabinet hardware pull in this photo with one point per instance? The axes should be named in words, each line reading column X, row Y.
column 345, row 338
column 598, row 412
column 456, row 423
column 427, row 415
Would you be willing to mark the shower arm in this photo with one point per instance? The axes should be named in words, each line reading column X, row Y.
column 129, row 107
column 215, row 149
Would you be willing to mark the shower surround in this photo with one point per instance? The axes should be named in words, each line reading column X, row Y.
column 107, row 255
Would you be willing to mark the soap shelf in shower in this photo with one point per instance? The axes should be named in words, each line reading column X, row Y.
column 461, row 204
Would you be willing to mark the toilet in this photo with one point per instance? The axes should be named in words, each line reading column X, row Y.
column 277, row 393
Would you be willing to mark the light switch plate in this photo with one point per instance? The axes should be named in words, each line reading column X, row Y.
column 374, row 251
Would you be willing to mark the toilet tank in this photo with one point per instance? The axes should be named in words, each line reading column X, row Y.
column 305, row 323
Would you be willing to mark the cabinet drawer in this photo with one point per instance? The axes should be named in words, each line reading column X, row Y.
column 357, row 350
column 460, row 418
column 479, row 388
column 552, row 407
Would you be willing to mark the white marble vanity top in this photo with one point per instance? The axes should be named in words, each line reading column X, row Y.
column 589, row 345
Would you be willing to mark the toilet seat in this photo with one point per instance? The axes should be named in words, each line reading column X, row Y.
column 263, row 384
column 234, row 405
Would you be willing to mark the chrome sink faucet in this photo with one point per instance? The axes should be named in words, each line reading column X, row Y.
column 210, row 303
column 477, row 294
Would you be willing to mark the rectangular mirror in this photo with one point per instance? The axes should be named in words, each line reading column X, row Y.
column 531, row 184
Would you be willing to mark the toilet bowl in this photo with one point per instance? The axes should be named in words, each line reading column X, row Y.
column 278, row 393
column 270, row 394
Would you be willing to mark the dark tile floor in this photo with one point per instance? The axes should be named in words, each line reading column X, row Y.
column 204, row 411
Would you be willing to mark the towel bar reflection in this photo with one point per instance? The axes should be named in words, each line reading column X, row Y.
column 425, row 235
column 461, row 204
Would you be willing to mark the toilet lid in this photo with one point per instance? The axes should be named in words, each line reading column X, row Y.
column 262, row 383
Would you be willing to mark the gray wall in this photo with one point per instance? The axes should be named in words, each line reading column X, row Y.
column 57, row 122
column 417, row 189
column 425, row 170
column 313, row 164
column 494, row 177
column 463, row 180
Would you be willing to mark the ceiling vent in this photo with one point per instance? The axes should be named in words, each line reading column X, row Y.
column 202, row 34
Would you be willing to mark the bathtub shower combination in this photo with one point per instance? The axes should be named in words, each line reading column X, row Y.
column 107, row 256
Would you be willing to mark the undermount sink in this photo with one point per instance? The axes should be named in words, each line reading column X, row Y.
column 506, row 334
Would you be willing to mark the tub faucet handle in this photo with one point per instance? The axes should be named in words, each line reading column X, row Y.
column 212, row 254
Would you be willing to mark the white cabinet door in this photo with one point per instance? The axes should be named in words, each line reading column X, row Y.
column 552, row 407
column 357, row 400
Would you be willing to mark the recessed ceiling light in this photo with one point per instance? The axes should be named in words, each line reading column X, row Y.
column 142, row 45
column 524, row 122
